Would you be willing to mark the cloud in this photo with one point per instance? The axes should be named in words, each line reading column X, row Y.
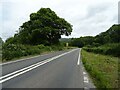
column 98, row 19
column 119, row 12
column 88, row 17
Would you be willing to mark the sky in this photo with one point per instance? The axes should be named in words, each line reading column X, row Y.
column 88, row 17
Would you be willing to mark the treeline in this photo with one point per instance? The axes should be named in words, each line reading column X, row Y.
column 40, row 34
column 1, row 42
column 105, row 43
column 112, row 35
column 82, row 41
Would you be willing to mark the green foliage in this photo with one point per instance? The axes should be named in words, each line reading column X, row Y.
column 1, row 41
column 40, row 34
column 107, row 43
column 112, row 35
column 107, row 49
column 17, row 50
column 11, row 51
column 82, row 41
column 44, row 27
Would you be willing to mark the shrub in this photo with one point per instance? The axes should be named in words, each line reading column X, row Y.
column 11, row 51
column 107, row 49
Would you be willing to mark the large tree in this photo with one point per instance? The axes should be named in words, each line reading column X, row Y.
column 44, row 27
column 1, row 41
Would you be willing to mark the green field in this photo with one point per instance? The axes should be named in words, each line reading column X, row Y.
column 103, row 69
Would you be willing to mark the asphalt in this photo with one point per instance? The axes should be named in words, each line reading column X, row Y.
column 8, row 68
column 63, row 72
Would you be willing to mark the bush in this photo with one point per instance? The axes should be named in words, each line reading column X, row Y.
column 41, row 46
column 11, row 51
column 107, row 49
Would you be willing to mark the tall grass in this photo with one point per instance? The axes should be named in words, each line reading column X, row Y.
column 102, row 69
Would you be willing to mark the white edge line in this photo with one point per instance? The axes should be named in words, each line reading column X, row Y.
column 84, row 73
column 19, row 70
column 78, row 63
column 86, row 88
column 29, row 69
column 86, row 79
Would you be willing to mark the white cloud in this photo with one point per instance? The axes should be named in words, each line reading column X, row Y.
column 88, row 17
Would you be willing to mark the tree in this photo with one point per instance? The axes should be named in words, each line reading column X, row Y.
column 82, row 41
column 1, row 41
column 112, row 35
column 44, row 27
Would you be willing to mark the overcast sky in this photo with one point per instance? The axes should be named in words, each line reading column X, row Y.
column 88, row 17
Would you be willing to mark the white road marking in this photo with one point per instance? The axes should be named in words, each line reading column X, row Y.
column 19, row 70
column 15, row 75
column 84, row 73
column 29, row 68
column 86, row 79
column 78, row 63
column 85, row 88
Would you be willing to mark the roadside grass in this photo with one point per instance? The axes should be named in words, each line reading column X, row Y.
column 103, row 69
column 25, row 57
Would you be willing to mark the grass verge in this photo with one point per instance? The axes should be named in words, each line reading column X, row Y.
column 102, row 69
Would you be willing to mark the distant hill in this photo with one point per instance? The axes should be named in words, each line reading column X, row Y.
column 112, row 35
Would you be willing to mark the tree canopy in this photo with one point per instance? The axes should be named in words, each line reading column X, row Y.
column 112, row 35
column 44, row 27
column 1, row 41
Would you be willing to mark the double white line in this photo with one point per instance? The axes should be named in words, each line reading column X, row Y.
column 29, row 68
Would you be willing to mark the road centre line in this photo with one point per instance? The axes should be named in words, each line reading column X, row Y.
column 29, row 68
column 19, row 70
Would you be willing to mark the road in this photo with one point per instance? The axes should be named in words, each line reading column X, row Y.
column 61, row 69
